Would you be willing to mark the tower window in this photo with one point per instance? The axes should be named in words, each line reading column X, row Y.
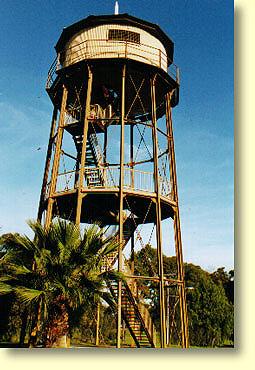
column 124, row 35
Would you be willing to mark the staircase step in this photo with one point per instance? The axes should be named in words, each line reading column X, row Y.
column 131, row 312
column 130, row 315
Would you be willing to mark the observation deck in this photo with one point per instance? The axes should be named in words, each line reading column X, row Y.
column 101, row 195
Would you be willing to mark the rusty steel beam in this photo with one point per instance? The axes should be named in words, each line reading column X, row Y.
column 177, row 227
column 47, row 163
column 121, row 198
column 158, row 218
column 84, row 143
column 55, row 167
column 132, row 185
column 132, row 155
column 155, row 278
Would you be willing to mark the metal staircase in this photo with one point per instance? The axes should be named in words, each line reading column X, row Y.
column 134, row 313
column 99, row 119
column 93, row 172
column 128, row 229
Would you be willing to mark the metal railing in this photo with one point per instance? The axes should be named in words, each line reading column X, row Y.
column 52, row 73
column 104, row 48
column 133, row 180
column 65, row 181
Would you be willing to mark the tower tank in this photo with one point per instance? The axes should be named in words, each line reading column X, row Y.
column 111, row 157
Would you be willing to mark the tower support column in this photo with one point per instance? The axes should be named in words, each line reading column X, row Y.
column 47, row 162
column 158, row 218
column 121, row 198
column 132, row 256
column 177, row 227
column 83, row 150
column 55, row 167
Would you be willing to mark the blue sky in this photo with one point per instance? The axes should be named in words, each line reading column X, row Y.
column 202, row 31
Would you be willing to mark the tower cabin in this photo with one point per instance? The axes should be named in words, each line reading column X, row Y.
column 110, row 39
column 117, row 36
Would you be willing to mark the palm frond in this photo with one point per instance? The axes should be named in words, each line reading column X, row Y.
column 26, row 295
column 94, row 242
column 6, row 278
column 16, row 270
column 66, row 234
column 109, row 245
column 40, row 233
column 23, row 243
column 113, row 275
column 5, row 288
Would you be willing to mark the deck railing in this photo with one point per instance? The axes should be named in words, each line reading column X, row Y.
column 133, row 180
column 52, row 73
column 103, row 48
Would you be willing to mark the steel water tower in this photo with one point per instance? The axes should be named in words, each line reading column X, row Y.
column 111, row 160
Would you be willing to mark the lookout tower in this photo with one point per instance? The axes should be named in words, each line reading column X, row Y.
column 111, row 160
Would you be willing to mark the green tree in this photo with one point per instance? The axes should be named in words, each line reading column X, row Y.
column 210, row 308
column 58, row 274
column 209, row 311
column 226, row 279
column 146, row 265
column 13, row 316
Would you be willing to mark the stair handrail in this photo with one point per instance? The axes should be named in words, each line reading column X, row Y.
column 94, row 142
column 142, row 308
column 112, row 257
column 98, row 155
column 145, row 313
column 131, row 286
column 142, row 311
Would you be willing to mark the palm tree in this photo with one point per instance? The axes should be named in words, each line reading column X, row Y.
column 56, row 273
